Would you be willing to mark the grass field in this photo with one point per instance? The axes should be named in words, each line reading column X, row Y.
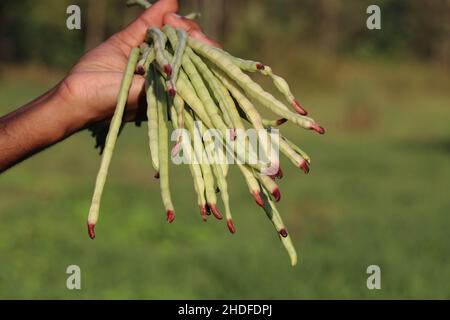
column 378, row 194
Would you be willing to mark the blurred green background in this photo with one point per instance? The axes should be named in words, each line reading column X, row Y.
column 378, row 192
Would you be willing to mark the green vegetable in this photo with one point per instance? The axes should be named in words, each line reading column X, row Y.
column 152, row 116
column 163, row 148
column 114, row 128
column 198, row 87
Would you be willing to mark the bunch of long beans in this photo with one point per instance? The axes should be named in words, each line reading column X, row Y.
column 193, row 86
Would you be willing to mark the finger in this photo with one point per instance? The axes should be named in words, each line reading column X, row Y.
column 136, row 91
column 190, row 26
column 134, row 34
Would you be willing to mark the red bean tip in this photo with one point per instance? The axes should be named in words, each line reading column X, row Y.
column 299, row 108
column 140, row 70
column 281, row 121
column 170, row 216
column 304, row 166
column 172, row 92
column 231, row 226
column 168, row 69
column 91, row 230
column 317, row 128
column 276, row 194
column 204, row 213
column 233, row 134
column 260, row 66
column 258, row 198
column 283, row 232
column 280, row 174
column 215, row 212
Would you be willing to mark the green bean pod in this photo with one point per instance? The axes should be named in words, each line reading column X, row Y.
column 188, row 94
column 293, row 156
column 194, row 167
column 297, row 149
column 203, row 93
column 252, row 183
column 198, row 83
column 227, row 108
column 284, row 88
column 176, row 62
column 178, row 103
column 223, row 187
column 147, row 57
column 199, row 150
column 269, row 185
column 248, row 109
column 280, row 83
column 159, row 43
column 245, row 65
column 253, row 89
column 201, row 67
column 163, row 148
column 274, row 123
column 111, row 139
column 275, row 217
column 152, row 119
column 220, row 179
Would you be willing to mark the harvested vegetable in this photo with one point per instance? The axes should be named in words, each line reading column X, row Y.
column 192, row 85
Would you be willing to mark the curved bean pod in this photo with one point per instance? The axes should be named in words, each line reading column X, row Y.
column 176, row 62
column 297, row 149
column 292, row 155
column 147, row 57
column 270, row 185
column 159, row 43
column 253, row 89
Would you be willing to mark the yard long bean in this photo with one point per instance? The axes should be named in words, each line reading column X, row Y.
column 207, row 90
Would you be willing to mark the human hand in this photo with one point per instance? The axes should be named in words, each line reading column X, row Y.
column 88, row 94
column 92, row 85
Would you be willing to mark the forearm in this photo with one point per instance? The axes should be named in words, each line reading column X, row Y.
column 36, row 126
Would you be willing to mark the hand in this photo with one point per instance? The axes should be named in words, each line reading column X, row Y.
column 89, row 92
column 93, row 83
